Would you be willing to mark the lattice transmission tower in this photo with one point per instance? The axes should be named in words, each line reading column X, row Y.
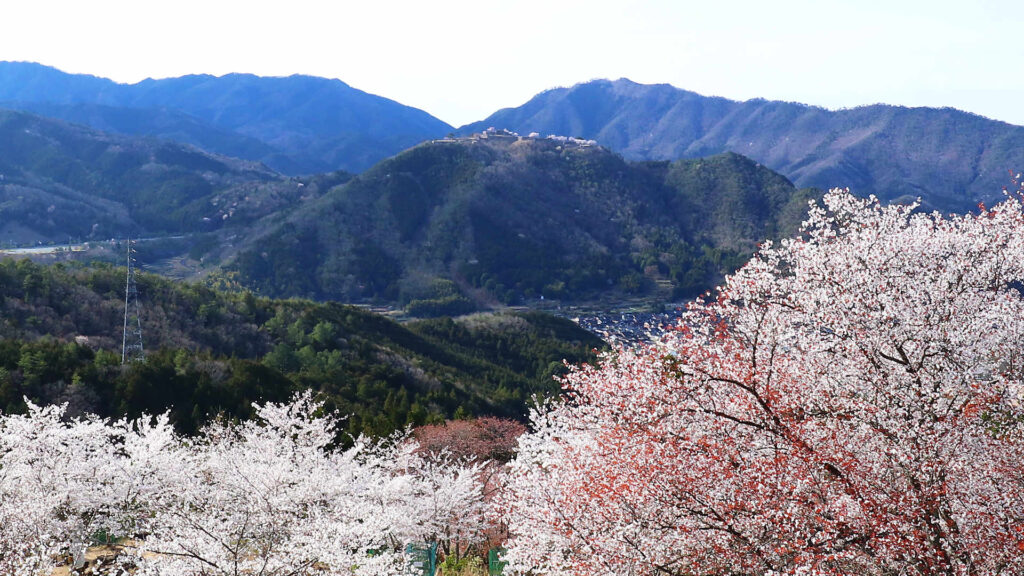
column 131, row 343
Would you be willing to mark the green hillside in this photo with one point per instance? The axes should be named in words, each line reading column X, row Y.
column 212, row 352
column 451, row 225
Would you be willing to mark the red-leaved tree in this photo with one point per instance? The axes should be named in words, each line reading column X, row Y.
column 488, row 443
column 484, row 439
column 850, row 403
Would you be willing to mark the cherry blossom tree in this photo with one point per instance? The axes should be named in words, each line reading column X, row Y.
column 451, row 493
column 272, row 496
column 52, row 497
column 472, row 521
column 849, row 403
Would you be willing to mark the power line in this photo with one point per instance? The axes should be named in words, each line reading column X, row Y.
column 131, row 343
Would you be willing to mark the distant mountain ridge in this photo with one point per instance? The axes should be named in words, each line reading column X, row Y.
column 303, row 124
column 295, row 124
column 952, row 159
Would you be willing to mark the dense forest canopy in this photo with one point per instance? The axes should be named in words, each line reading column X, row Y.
column 213, row 352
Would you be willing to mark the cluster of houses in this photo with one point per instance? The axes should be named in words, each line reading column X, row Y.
column 503, row 134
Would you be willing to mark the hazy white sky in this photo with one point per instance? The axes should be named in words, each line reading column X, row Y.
column 460, row 60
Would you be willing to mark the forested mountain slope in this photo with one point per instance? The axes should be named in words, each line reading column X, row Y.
column 447, row 227
column 455, row 224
